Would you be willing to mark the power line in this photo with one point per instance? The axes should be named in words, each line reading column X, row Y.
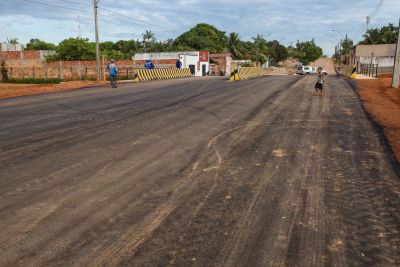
column 52, row 5
column 143, row 22
column 371, row 16
column 88, row 12
column 77, row 3
column 376, row 9
column 139, row 20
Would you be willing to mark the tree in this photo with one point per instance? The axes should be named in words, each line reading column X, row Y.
column 12, row 40
column 277, row 52
column 76, row 49
column 247, row 50
column 128, row 47
column 260, row 49
column 37, row 44
column 166, row 46
column 233, row 45
column 307, row 52
column 112, row 54
column 148, row 41
column 203, row 37
column 383, row 35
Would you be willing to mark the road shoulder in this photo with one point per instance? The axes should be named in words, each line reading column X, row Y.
column 382, row 105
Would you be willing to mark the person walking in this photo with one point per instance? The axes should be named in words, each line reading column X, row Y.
column 113, row 70
column 320, row 82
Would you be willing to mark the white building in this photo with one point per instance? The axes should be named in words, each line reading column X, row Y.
column 381, row 54
column 198, row 62
column 10, row 47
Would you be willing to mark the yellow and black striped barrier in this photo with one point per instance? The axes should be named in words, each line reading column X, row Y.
column 160, row 74
column 243, row 73
column 353, row 74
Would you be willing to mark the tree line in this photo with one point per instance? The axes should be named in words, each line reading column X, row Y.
column 203, row 37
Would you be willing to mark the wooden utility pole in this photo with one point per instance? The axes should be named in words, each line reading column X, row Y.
column 96, row 27
column 396, row 68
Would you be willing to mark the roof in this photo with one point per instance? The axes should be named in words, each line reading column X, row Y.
column 163, row 55
column 380, row 50
column 221, row 55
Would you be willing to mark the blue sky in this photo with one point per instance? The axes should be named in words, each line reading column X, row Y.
column 284, row 20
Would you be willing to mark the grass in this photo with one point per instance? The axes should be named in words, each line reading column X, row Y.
column 34, row 81
column 45, row 81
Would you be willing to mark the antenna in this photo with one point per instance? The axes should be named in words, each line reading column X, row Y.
column 79, row 28
column 376, row 9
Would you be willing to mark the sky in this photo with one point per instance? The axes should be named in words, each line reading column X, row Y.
column 286, row 20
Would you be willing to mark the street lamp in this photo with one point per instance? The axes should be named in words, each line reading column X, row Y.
column 341, row 35
column 340, row 44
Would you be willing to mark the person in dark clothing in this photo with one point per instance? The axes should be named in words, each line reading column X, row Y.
column 319, row 86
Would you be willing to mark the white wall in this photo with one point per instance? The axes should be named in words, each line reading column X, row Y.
column 194, row 60
column 381, row 61
column 163, row 55
column 10, row 47
column 188, row 60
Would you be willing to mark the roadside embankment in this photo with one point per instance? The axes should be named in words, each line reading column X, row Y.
column 8, row 90
column 383, row 104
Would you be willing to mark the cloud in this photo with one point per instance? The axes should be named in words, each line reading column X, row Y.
column 285, row 20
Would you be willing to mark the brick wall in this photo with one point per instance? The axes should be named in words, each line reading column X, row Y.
column 15, row 55
column 28, row 64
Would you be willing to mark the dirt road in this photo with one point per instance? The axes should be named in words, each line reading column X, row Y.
column 196, row 173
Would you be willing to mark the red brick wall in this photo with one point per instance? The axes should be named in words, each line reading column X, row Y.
column 14, row 55
column 27, row 64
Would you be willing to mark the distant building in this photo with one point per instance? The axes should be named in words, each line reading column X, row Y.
column 221, row 64
column 381, row 54
column 7, row 47
column 198, row 62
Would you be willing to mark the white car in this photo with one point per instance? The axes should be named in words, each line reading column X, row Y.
column 306, row 70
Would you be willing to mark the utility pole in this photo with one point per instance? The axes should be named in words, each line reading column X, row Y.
column 368, row 20
column 96, row 26
column 79, row 28
column 396, row 68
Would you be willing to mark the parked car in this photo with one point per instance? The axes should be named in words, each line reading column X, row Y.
column 306, row 70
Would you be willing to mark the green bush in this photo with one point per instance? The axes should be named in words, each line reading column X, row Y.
column 34, row 81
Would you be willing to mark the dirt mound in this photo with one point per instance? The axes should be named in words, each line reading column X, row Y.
column 326, row 64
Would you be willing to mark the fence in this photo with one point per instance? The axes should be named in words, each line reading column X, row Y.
column 368, row 70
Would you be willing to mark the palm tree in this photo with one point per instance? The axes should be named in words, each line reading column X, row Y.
column 233, row 43
column 372, row 36
column 148, row 38
column 12, row 40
